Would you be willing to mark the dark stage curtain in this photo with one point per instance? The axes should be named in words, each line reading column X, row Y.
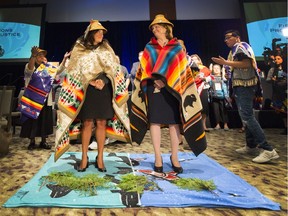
column 203, row 37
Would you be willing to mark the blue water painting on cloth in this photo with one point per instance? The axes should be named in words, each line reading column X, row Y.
column 231, row 191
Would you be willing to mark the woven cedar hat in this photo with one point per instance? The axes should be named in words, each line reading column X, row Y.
column 160, row 18
column 41, row 51
column 94, row 25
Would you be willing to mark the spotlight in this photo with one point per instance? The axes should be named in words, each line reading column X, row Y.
column 285, row 32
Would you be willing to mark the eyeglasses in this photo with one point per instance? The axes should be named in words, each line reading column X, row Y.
column 228, row 37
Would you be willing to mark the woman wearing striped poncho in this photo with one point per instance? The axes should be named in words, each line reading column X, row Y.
column 165, row 94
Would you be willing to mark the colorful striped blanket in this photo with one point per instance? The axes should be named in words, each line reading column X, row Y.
column 36, row 93
column 82, row 68
column 169, row 63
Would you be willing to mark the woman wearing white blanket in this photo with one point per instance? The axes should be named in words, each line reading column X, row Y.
column 89, row 93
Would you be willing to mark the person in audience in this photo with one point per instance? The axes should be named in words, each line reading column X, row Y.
column 94, row 71
column 42, row 126
column 124, row 70
column 156, row 89
column 134, row 69
column 245, row 82
column 203, row 79
column 219, row 97
column 191, row 64
column 227, row 75
column 277, row 76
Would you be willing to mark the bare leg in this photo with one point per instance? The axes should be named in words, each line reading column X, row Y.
column 181, row 138
column 85, row 137
column 100, row 134
column 155, row 132
column 174, row 132
column 204, row 121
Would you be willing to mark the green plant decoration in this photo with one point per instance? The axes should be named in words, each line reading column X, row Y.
column 87, row 184
column 135, row 183
column 195, row 184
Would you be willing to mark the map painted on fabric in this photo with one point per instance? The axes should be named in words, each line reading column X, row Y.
column 231, row 191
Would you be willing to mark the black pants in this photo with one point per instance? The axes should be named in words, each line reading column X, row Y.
column 220, row 111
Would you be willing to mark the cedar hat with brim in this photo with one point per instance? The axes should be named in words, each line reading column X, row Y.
column 94, row 25
column 160, row 18
column 41, row 51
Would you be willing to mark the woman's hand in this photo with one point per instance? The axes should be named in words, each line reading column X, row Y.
column 67, row 55
column 98, row 84
column 158, row 84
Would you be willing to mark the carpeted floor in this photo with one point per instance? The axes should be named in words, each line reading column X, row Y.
column 20, row 165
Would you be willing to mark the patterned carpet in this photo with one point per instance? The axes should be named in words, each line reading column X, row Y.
column 20, row 165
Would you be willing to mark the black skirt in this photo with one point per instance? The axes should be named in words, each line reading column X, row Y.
column 163, row 107
column 204, row 97
column 40, row 127
column 98, row 103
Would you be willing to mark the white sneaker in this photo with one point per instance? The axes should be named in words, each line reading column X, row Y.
column 108, row 140
column 266, row 156
column 93, row 145
column 247, row 150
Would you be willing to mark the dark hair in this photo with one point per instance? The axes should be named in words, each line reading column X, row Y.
column 234, row 32
column 88, row 41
